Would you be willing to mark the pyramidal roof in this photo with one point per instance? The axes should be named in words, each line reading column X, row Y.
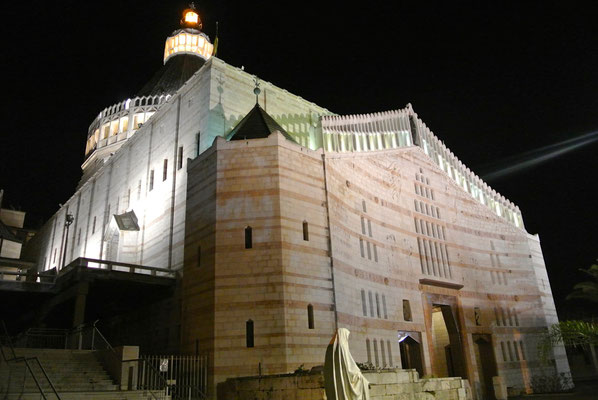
column 257, row 124
column 172, row 75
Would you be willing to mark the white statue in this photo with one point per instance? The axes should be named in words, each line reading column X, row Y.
column 342, row 377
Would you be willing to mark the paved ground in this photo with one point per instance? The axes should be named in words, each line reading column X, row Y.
column 587, row 390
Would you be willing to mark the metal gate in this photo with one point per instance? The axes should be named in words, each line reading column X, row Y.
column 186, row 376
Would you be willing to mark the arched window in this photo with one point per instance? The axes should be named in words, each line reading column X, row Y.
column 310, row 316
column 249, row 333
column 305, row 231
column 248, row 238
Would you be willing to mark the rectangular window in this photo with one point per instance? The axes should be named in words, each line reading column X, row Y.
column 305, row 231
column 248, row 237
column 180, row 158
column 522, row 351
column 367, row 346
column 406, row 310
column 375, row 253
column 376, row 353
column 390, row 360
column 383, row 353
column 363, row 225
column 198, row 256
column 384, row 306
column 93, row 226
column 369, row 228
column 371, row 299
column 364, row 306
column 165, row 170
column 377, row 305
column 510, row 349
column 151, row 180
column 369, row 250
column 361, row 247
column 249, row 333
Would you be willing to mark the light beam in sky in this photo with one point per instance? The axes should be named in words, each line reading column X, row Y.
column 532, row 158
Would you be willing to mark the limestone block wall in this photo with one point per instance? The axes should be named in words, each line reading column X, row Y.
column 281, row 285
column 385, row 384
column 402, row 229
column 132, row 178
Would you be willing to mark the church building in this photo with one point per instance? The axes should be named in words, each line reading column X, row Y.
column 284, row 221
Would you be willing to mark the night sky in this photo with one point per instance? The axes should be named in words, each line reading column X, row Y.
column 492, row 81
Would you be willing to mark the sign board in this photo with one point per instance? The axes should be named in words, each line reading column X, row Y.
column 164, row 365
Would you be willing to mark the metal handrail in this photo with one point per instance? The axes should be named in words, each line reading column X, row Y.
column 26, row 361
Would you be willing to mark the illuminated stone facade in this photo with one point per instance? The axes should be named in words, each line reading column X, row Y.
column 366, row 222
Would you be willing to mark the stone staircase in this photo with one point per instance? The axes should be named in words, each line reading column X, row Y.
column 76, row 374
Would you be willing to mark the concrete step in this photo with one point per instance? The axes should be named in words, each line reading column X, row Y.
column 95, row 395
column 69, row 370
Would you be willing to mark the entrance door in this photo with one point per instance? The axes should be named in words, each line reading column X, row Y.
column 486, row 364
column 446, row 340
column 411, row 351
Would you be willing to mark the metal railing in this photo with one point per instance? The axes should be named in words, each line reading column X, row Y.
column 186, row 375
column 91, row 263
column 83, row 337
column 5, row 341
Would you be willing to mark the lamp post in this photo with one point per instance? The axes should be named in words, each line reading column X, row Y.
column 68, row 220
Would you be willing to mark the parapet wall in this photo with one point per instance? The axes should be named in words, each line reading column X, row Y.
column 400, row 384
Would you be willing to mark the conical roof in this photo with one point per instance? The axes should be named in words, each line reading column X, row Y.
column 172, row 75
column 257, row 124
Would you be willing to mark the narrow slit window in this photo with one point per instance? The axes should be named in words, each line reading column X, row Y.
column 384, row 306
column 522, row 351
column 364, row 305
column 310, row 316
column 248, row 237
column 376, row 353
column 93, row 226
column 369, row 228
column 369, row 350
column 406, row 310
column 390, row 360
column 383, row 353
column 377, row 305
column 151, row 180
column 371, row 299
column 165, row 170
column 180, row 158
column 198, row 256
column 504, row 352
column 249, row 333
column 361, row 247
column 363, row 206
column 305, row 231
column 79, row 237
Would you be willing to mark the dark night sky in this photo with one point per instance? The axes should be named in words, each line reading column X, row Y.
column 490, row 80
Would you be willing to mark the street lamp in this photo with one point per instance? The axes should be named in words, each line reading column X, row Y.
column 68, row 220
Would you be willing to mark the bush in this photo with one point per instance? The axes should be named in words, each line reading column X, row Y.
column 553, row 383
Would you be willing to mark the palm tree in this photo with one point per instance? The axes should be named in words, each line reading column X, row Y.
column 587, row 290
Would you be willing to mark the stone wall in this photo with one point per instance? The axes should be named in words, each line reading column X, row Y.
column 384, row 385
